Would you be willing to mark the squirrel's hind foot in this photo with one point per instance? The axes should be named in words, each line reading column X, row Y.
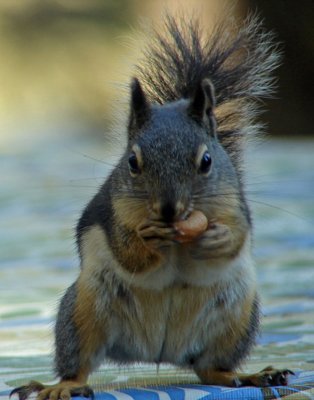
column 63, row 391
column 269, row 376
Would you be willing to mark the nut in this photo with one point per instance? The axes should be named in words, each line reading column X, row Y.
column 192, row 227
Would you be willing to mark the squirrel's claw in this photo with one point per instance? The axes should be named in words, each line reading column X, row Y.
column 151, row 229
column 157, row 223
column 270, row 376
column 26, row 390
column 63, row 390
column 84, row 391
column 215, row 241
column 157, row 235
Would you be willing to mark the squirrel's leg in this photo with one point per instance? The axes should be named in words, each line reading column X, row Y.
column 233, row 346
column 79, row 337
column 267, row 377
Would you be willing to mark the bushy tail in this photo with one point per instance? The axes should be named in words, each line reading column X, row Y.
column 238, row 62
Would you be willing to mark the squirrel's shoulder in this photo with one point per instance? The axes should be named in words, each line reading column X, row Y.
column 98, row 212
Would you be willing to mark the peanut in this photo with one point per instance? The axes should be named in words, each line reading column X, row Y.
column 192, row 227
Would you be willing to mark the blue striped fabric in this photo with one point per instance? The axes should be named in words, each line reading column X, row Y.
column 301, row 386
column 186, row 392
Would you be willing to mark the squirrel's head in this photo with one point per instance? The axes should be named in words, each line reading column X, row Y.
column 172, row 151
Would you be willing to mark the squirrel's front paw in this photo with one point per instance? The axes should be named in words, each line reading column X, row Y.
column 215, row 242
column 157, row 234
column 63, row 390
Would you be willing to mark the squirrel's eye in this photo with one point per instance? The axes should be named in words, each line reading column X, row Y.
column 133, row 164
column 206, row 163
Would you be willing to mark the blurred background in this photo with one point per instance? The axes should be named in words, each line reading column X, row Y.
column 64, row 67
column 62, row 61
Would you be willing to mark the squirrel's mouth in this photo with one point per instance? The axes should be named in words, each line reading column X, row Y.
column 170, row 211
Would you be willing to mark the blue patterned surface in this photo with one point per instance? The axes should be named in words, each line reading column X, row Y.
column 301, row 385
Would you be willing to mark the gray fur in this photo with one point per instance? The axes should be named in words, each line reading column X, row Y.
column 67, row 357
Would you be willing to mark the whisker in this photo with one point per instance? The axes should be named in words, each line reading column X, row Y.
column 78, row 186
column 113, row 164
column 278, row 208
column 135, row 196
column 283, row 181
column 90, row 157
column 86, row 179
column 249, row 192
column 131, row 193
column 232, row 195
column 205, row 195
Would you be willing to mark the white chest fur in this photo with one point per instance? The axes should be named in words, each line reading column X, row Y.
column 179, row 267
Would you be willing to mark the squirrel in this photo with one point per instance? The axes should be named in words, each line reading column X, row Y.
column 146, row 292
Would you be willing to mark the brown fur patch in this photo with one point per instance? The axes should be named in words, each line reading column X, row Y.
column 226, row 209
column 237, row 328
column 131, row 212
column 238, row 324
column 212, row 377
column 229, row 117
column 91, row 330
column 132, row 253
column 128, row 247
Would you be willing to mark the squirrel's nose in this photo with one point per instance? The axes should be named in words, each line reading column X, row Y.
column 168, row 212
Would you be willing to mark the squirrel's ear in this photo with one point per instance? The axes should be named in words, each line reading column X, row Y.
column 140, row 108
column 203, row 102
